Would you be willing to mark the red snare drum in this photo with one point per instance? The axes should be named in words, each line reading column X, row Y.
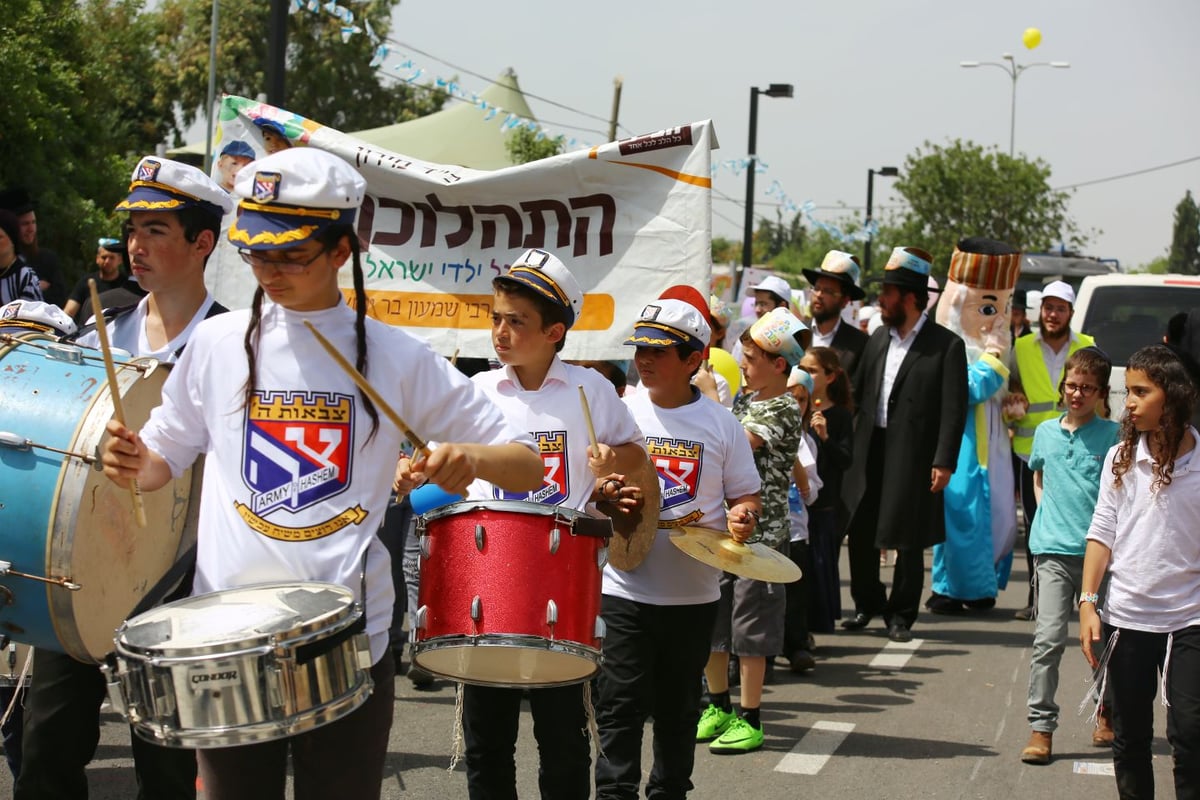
column 510, row 593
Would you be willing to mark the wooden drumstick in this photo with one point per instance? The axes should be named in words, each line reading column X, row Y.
column 417, row 442
column 587, row 415
column 135, row 491
column 454, row 358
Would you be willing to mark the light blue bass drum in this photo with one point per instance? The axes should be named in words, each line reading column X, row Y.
column 73, row 561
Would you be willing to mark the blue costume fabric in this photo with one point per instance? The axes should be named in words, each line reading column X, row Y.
column 981, row 523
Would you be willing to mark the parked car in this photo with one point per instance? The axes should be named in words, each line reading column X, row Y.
column 1127, row 312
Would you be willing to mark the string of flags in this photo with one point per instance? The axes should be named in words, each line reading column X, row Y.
column 406, row 69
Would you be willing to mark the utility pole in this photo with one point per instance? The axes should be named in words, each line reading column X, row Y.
column 277, row 52
column 612, row 124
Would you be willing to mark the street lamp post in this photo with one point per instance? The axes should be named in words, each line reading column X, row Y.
column 883, row 172
column 773, row 90
column 1014, row 70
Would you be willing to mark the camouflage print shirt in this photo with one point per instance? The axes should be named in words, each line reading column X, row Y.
column 777, row 422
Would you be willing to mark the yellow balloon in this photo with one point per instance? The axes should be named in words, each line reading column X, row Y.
column 1032, row 37
column 722, row 362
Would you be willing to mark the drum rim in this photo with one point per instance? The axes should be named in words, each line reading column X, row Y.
column 508, row 506
column 303, row 633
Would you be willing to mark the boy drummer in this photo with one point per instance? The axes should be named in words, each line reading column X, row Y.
column 535, row 303
column 660, row 615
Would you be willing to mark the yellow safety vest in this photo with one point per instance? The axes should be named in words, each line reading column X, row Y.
column 1039, row 389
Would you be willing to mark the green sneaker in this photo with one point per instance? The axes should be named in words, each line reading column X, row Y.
column 713, row 722
column 739, row 737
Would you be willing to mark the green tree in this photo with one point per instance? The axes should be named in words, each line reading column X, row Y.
column 1184, row 257
column 1156, row 266
column 76, row 111
column 726, row 251
column 524, row 145
column 963, row 189
column 327, row 80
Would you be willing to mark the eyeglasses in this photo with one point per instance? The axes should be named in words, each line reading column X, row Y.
column 1082, row 388
column 254, row 259
column 826, row 292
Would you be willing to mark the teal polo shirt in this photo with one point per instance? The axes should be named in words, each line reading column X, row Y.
column 1070, row 463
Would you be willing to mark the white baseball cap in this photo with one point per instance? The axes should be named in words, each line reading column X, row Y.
column 776, row 286
column 1059, row 289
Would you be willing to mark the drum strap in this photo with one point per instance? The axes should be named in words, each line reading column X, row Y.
column 307, row 652
column 599, row 527
column 175, row 576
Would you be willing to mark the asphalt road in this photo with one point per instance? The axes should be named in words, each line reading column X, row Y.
column 941, row 717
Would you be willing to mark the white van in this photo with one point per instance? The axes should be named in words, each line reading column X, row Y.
column 1128, row 312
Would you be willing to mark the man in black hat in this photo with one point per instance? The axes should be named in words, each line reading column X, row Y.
column 910, row 398
column 1018, row 325
column 43, row 260
column 834, row 285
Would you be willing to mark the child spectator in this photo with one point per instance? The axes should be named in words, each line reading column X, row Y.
column 750, row 617
column 806, row 484
column 1146, row 533
column 1066, row 458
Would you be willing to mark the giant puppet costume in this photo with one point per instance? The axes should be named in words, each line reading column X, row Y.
column 973, row 564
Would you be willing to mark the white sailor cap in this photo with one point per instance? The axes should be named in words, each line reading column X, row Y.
column 666, row 323
column 159, row 184
column 287, row 198
column 546, row 274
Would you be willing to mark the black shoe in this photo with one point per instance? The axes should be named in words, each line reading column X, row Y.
column 801, row 661
column 982, row 604
column 898, row 633
column 857, row 622
column 941, row 604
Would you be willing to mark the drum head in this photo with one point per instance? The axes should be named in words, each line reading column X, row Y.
column 508, row 661
column 222, row 622
column 94, row 537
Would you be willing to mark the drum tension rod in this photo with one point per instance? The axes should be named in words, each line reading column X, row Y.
column 66, row 583
column 71, row 353
column 16, row 441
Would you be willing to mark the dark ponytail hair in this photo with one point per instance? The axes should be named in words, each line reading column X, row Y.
column 328, row 239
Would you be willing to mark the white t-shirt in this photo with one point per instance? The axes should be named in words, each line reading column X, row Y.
column 553, row 415
column 1155, row 542
column 128, row 332
column 293, row 490
column 798, row 506
column 702, row 457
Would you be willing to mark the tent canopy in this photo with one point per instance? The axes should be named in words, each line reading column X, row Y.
column 457, row 135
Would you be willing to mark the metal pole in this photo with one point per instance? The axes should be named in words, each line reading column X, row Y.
column 748, row 228
column 212, row 85
column 1012, row 115
column 277, row 52
column 870, row 197
column 616, row 107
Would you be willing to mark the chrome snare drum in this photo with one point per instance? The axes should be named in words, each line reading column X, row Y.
column 510, row 593
column 242, row 665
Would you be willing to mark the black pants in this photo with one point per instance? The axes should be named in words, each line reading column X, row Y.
column 825, row 587
column 1028, row 510
column 491, row 717
column 865, row 586
column 1133, row 671
column 908, row 581
column 795, row 615
column 62, row 729
column 653, row 659
column 12, row 728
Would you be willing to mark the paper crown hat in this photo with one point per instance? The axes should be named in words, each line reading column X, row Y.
column 843, row 268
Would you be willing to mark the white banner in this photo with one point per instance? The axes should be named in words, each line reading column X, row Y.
column 628, row 218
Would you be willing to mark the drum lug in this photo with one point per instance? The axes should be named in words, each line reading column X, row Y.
column 551, row 613
column 600, row 629
column 419, row 623
column 555, row 538
column 480, row 537
column 602, row 557
column 476, row 609
column 423, row 542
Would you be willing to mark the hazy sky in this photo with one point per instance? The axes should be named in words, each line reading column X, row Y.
column 873, row 80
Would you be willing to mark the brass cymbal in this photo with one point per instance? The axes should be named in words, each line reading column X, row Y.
column 718, row 549
column 633, row 533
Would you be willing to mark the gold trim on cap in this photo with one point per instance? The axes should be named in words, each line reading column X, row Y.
column 299, row 234
column 166, row 188
column 558, row 291
column 298, row 211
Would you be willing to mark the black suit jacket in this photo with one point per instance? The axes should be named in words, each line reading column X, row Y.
column 849, row 342
column 927, row 412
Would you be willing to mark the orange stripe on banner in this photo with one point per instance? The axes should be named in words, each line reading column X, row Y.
column 682, row 177
column 465, row 311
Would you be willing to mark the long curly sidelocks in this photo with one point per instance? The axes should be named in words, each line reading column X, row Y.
column 328, row 239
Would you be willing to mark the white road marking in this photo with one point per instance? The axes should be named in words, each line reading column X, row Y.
column 1094, row 768
column 815, row 747
column 895, row 654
